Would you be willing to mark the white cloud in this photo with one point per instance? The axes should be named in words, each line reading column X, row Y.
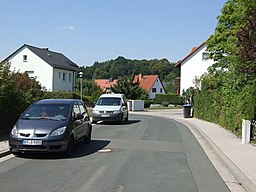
column 69, row 27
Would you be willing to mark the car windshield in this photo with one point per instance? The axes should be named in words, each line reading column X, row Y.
column 109, row 101
column 58, row 112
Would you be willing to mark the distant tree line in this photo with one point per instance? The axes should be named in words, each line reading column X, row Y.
column 126, row 68
column 121, row 67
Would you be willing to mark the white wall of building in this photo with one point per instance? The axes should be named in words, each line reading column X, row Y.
column 158, row 88
column 193, row 67
column 35, row 67
column 50, row 78
column 63, row 80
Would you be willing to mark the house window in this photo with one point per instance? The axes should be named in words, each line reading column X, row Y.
column 153, row 90
column 161, row 90
column 59, row 75
column 25, row 58
column 30, row 73
column 205, row 56
column 69, row 77
column 64, row 77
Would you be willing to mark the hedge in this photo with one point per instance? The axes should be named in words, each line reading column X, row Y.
column 168, row 98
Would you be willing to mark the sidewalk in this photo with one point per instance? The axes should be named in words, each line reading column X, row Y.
column 240, row 159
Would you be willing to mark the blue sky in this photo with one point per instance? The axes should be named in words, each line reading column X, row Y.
column 99, row 30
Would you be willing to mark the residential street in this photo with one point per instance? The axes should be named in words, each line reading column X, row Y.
column 146, row 154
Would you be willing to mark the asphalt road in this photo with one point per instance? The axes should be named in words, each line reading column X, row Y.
column 147, row 154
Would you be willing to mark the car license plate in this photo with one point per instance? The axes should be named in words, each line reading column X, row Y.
column 32, row 142
column 105, row 115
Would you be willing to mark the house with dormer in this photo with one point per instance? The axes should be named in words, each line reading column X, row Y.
column 53, row 70
column 193, row 66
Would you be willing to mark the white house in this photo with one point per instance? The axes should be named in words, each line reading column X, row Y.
column 53, row 70
column 193, row 66
column 151, row 83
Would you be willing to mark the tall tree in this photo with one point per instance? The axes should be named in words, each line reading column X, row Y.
column 130, row 88
column 247, row 43
column 227, row 93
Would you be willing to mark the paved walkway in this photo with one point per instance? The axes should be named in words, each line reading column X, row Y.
column 237, row 159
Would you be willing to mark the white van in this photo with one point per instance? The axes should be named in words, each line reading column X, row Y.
column 110, row 107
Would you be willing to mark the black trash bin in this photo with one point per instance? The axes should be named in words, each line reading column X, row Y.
column 187, row 110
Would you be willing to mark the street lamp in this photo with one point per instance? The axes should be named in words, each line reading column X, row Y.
column 81, row 84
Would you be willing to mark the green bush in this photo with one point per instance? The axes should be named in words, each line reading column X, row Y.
column 226, row 106
column 168, row 98
column 165, row 103
column 147, row 103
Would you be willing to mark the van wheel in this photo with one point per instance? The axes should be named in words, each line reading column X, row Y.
column 70, row 146
column 126, row 118
column 121, row 119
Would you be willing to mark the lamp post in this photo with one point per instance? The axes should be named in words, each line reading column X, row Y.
column 81, row 84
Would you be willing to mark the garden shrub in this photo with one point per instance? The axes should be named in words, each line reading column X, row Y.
column 168, row 98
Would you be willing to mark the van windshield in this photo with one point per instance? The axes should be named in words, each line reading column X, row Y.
column 58, row 112
column 109, row 101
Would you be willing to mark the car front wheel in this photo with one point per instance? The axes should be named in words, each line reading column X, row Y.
column 70, row 146
column 87, row 138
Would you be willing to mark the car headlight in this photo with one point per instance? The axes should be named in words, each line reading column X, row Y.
column 116, row 111
column 14, row 131
column 58, row 132
column 96, row 111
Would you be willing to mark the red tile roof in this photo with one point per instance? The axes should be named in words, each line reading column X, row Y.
column 191, row 53
column 105, row 83
column 146, row 81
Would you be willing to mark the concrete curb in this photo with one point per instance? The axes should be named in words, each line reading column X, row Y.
column 237, row 173
column 5, row 153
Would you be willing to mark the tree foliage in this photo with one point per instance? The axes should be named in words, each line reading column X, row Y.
column 121, row 67
column 227, row 93
column 130, row 88
column 17, row 91
column 247, row 44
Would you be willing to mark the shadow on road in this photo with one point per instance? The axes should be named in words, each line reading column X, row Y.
column 80, row 150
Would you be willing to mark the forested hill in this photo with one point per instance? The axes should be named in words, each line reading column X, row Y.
column 127, row 67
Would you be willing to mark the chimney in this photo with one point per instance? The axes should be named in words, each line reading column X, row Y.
column 140, row 76
column 110, row 80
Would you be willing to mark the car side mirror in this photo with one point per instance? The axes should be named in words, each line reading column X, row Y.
column 78, row 116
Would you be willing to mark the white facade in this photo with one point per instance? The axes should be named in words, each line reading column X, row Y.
column 156, row 89
column 194, row 66
column 50, row 78
column 63, row 80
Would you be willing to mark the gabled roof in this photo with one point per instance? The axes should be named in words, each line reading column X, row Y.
column 105, row 83
column 147, row 81
column 56, row 60
column 191, row 53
